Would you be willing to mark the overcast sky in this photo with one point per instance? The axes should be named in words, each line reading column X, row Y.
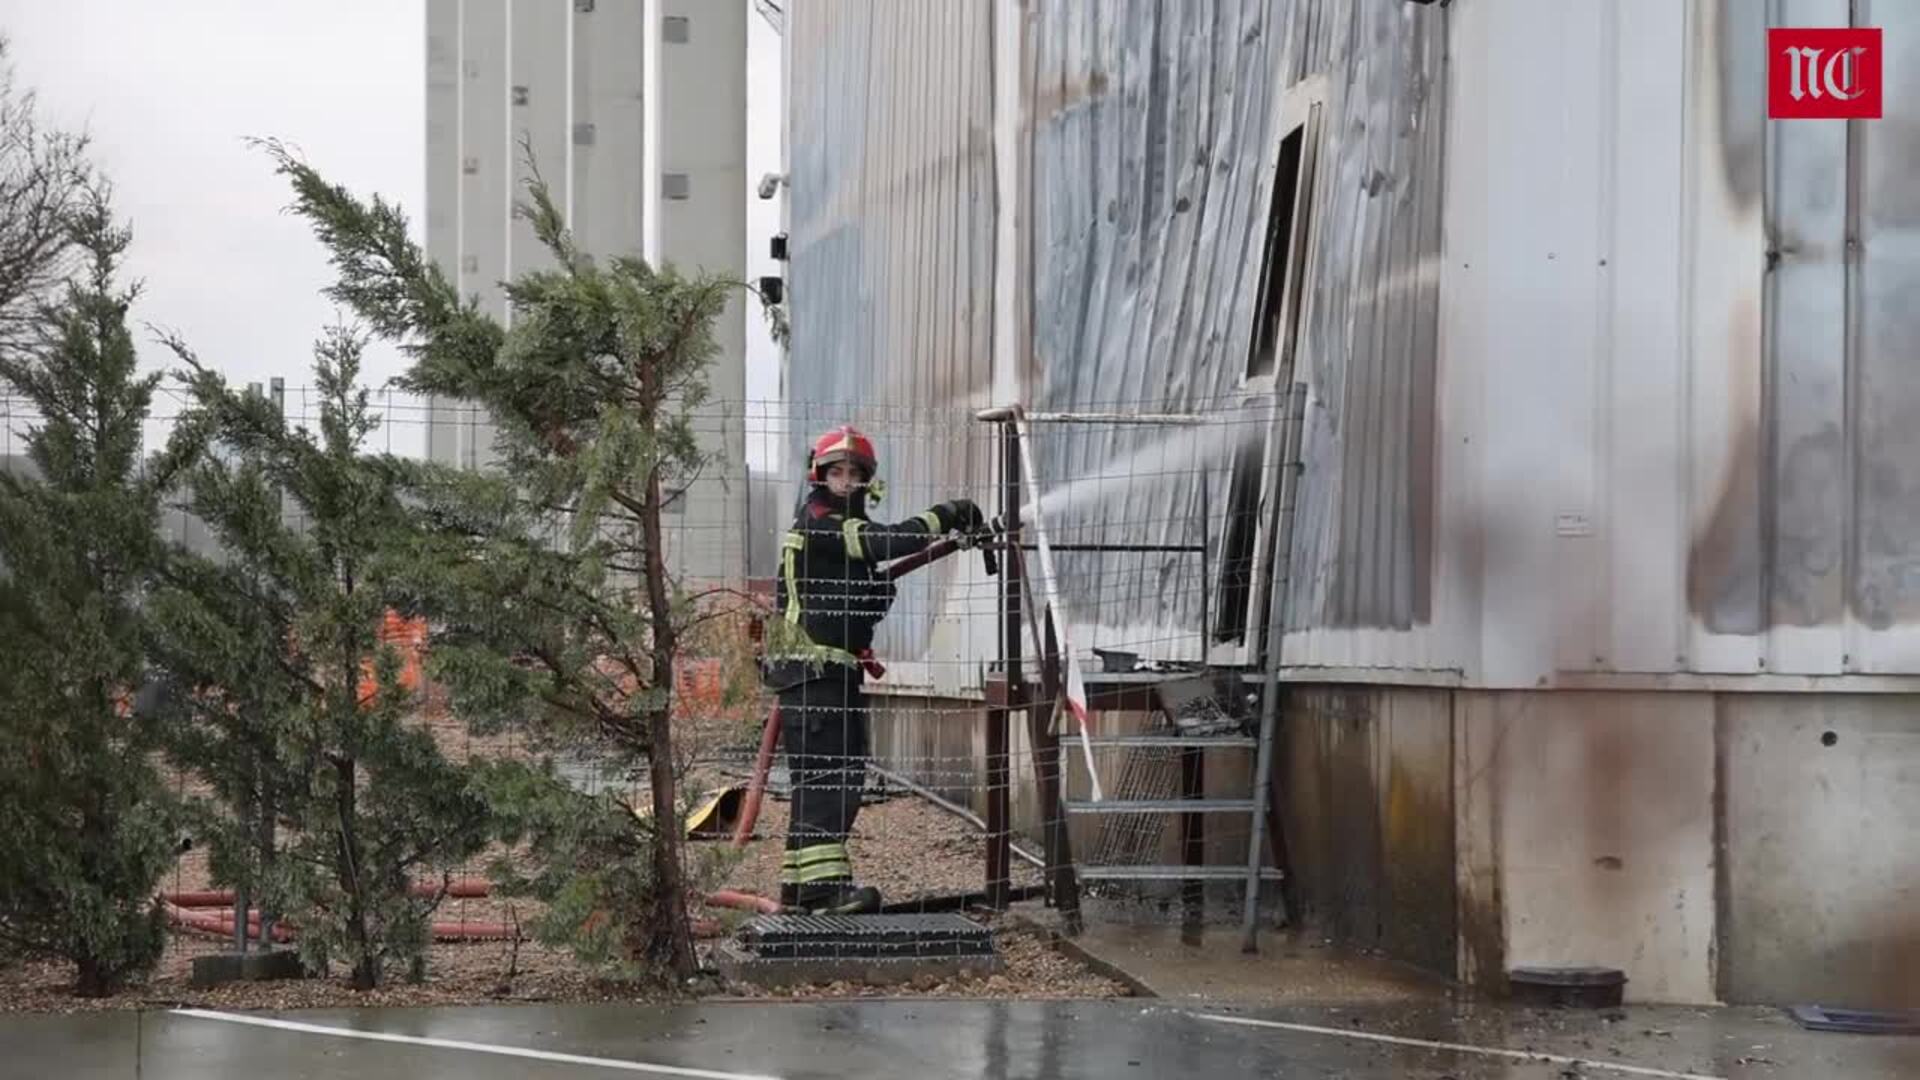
column 171, row 89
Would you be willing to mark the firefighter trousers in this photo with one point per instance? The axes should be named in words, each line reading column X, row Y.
column 823, row 724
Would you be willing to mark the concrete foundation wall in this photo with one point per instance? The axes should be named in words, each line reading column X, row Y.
column 1819, row 871
column 1745, row 848
column 1585, row 835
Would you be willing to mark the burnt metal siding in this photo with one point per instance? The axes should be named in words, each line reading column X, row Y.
column 1802, row 474
column 1149, row 179
column 891, row 223
column 1362, row 553
column 1674, row 384
column 1150, row 136
column 1883, row 330
column 1152, row 169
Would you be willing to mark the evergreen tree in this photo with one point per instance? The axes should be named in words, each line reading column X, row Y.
column 276, row 645
column 226, row 685
column 87, row 827
column 592, row 390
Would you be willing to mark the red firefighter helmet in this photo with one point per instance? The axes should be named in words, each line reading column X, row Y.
column 844, row 443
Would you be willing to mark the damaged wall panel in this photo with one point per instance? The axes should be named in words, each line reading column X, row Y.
column 1154, row 145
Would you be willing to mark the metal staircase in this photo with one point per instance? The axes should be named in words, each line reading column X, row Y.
column 1150, row 808
column 1203, row 712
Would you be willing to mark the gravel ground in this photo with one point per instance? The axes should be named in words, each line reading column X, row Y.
column 1034, row 971
column 904, row 846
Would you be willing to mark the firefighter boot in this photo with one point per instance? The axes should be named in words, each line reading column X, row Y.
column 838, row 897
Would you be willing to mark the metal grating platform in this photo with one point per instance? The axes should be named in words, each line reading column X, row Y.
column 889, row 937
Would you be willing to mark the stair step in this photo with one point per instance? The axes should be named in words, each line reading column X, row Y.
column 1160, row 806
column 1173, row 873
column 1209, row 742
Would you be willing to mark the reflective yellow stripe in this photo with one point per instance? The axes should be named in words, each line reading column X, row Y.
column 786, row 640
column 790, row 642
column 823, row 872
column 932, row 521
column 851, row 532
column 815, row 862
column 814, row 853
column 792, row 544
column 817, row 853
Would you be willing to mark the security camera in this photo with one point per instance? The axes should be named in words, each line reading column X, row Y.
column 770, row 185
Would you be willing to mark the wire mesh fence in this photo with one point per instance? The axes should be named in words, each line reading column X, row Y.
column 998, row 736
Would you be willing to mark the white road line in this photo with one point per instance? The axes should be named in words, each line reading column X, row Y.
column 471, row 1047
column 1462, row 1048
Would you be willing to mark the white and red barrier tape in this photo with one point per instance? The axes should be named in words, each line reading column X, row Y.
column 1075, row 690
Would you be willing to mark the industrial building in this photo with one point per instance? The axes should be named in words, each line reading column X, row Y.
column 635, row 116
column 1601, row 612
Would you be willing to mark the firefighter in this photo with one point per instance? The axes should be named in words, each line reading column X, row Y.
column 830, row 595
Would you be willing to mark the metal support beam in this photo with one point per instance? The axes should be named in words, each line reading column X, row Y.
column 999, row 810
column 1293, row 418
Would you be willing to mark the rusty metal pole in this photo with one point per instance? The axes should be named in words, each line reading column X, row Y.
column 999, row 810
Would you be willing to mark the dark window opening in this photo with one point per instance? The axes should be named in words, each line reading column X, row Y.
column 1276, row 328
column 1277, row 269
column 1237, row 554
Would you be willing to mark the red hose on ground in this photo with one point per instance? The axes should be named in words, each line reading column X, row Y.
column 472, row 931
column 214, row 898
column 181, row 914
column 744, row 901
column 220, row 924
column 757, row 785
column 211, row 898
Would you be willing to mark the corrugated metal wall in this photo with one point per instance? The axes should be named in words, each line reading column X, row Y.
column 891, row 119
column 1150, row 147
column 1154, row 147
column 1676, row 372
column 1362, row 552
column 1151, row 130
column 890, row 113
column 1608, row 380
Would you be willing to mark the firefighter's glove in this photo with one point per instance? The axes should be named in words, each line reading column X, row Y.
column 960, row 515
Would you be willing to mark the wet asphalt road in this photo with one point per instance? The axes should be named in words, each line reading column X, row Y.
column 927, row 1040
